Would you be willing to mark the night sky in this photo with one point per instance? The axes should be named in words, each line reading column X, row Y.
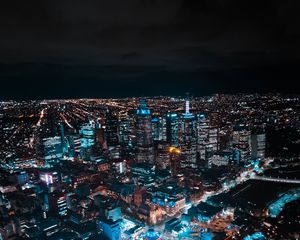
column 118, row 48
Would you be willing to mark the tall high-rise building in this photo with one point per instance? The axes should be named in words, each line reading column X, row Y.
column 63, row 139
column 159, row 128
column 74, row 145
column 155, row 128
column 242, row 141
column 213, row 138
column 258, row 145
column 175, row 156
column 100, row 140
column 87, row 140
column 162, row 156
column 111, row 129
column 52, row 122
column 126, row 131
column 144, row 138
column 52, row 150
column 58, row 204
column 172, row 129
column 188, row 138
column 202, row 138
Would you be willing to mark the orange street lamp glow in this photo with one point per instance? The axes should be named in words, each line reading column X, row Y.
column 174, row 150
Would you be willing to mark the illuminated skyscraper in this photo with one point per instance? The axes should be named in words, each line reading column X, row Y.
column 188, row 138
column 87, row 140
column 175, row 157
column 162, row 156
column 258, row 145
column 172, row 129
column 145, row 150
column 111, row 129
column 124, row 132
column 74, row 145
column 213, row 138
column 100, row 140
column 58, row 204
column 159, row 128
column 52, row 150
column 242, row 141
column 127, row 135
column 63, row 140
column 202, row 138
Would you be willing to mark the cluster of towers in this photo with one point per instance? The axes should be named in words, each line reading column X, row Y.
column 175, row 133
column 192, row 140
column 170, row 140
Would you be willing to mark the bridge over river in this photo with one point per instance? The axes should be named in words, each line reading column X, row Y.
column 273, row 179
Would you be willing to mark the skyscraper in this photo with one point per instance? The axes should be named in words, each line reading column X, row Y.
column 172, row 129
column 63, row 140
column 159, row 128
column 242, row 141
column 202, row 138
column 52, row 150
column 100, row 140
column 111, row 130
column 174, row 160
column 188, row 138
column 258, row 145
column 213, row 138
column 145, row 150
column 162, row 156
column 87, row 140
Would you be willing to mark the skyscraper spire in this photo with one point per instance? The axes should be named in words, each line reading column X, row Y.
column 187, row 107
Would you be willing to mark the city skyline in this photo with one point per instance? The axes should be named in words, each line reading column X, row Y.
column 215, row 167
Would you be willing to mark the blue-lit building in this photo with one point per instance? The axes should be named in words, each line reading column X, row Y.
column 113, row 213
column 110, row 229
column 151, row 234
column 144, row 138
column 236, row 156
column 87, row 140
column 20, row 177
column 255, row 236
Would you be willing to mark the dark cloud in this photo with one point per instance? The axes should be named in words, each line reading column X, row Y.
column 114, row 40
